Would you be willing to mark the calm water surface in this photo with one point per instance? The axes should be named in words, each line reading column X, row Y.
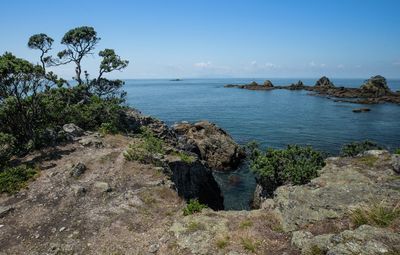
column 274, row 118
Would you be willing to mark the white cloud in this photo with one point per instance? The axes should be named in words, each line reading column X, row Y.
column 340, row 66
column 254, row 63
column 323, row 65
column 312, row 63
column 203, row 64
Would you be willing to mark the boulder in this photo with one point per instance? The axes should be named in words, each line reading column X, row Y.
column 212, row 144
column 324, row 82
column 253, row 83
column 102, row 186
column 73, row 130
column 77, row 170
column 376, row 86
column 395, row 162
column 268, row 84
column 91, row 141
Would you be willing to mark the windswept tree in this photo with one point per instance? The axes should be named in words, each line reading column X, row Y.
column 80, row 42
column 43, row 43
column 103, row 87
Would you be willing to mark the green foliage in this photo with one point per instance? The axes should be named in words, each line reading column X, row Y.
column 14, row 178
column 253, row 149
column 294, row 165
column 222, row 242
column 145, row 149
column 194, row 206
column 43, row 43
column 7, row 147
column 355, row 148
column 185, row 157
column 246, row 224
column 108, row 128
column 380, row 215
column 397, row 151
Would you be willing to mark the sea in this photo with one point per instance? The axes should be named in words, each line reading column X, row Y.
column 273, row 118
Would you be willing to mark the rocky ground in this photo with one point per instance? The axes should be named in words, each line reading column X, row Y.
column 88, row 199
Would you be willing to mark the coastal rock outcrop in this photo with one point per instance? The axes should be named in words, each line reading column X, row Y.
column 194, row 180
column 212, row 144
column 376, row 86
column 268, row 84
column 324, row 82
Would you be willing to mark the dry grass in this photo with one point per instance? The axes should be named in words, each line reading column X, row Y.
column 380, row 215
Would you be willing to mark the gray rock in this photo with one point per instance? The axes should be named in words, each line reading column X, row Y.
column 77, row 170
column 102, row 186
column 4, row 210
column 153, row 248
column 376, row 86
column 91, row 141
column 78, row 190
column 268, row 84
column 395, row 162
column 73, row 130
column 212, row 144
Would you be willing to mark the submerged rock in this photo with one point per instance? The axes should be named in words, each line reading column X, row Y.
column 324, row 82
column 358, row 110
column 212, row 144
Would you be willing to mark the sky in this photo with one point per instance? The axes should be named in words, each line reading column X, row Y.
column 219, row 38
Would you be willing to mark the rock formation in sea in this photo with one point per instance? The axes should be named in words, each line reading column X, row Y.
column 324, row 83
column 212, row 144
column 376, row 86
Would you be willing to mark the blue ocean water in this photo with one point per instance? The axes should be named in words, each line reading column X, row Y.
column 274, row 118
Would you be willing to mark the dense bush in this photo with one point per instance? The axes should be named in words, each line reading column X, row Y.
column 194, row 206
column 13, row 179
column 355, row 148
column 397, row 151
column 7, row 143
column 293, row 165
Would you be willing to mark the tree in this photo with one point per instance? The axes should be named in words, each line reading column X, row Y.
column 43, row 43
column 80, row 42
column 110, row 62
column 21, row 84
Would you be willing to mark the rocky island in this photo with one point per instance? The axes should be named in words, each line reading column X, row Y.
column 374, row 90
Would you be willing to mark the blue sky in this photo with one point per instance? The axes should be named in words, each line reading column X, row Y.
column 220, row 38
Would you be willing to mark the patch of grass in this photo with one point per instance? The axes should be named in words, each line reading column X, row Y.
column 369, row 160
column 315, row 250
column 249, row 245
column 379, row 215
column 355, row 148
column 194, row 226
column 194, row 206
column 15, row 178
column 185, row 157
column 246, row 224
column 222, row 242
column 145, row 149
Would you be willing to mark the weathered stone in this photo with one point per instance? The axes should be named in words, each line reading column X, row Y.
column 78, row 190
column 102, row 186
column 77, row 170
column 395, row 162
column 212, row 144
column 91, row 141
column 73, row 130
column 4, row 210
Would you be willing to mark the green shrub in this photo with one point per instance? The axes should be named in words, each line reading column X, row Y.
column 7, row 143
column 293, row 165
column 108, row 128
column 355, row 148
column 249, row 244
column 194, row 206
column 253, row 149
column 14, row 178
column 145, row 149
column 380, row 215
column 185, row 157
column 397, row 151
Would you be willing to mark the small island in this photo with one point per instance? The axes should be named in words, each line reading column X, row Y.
column 374, row 90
